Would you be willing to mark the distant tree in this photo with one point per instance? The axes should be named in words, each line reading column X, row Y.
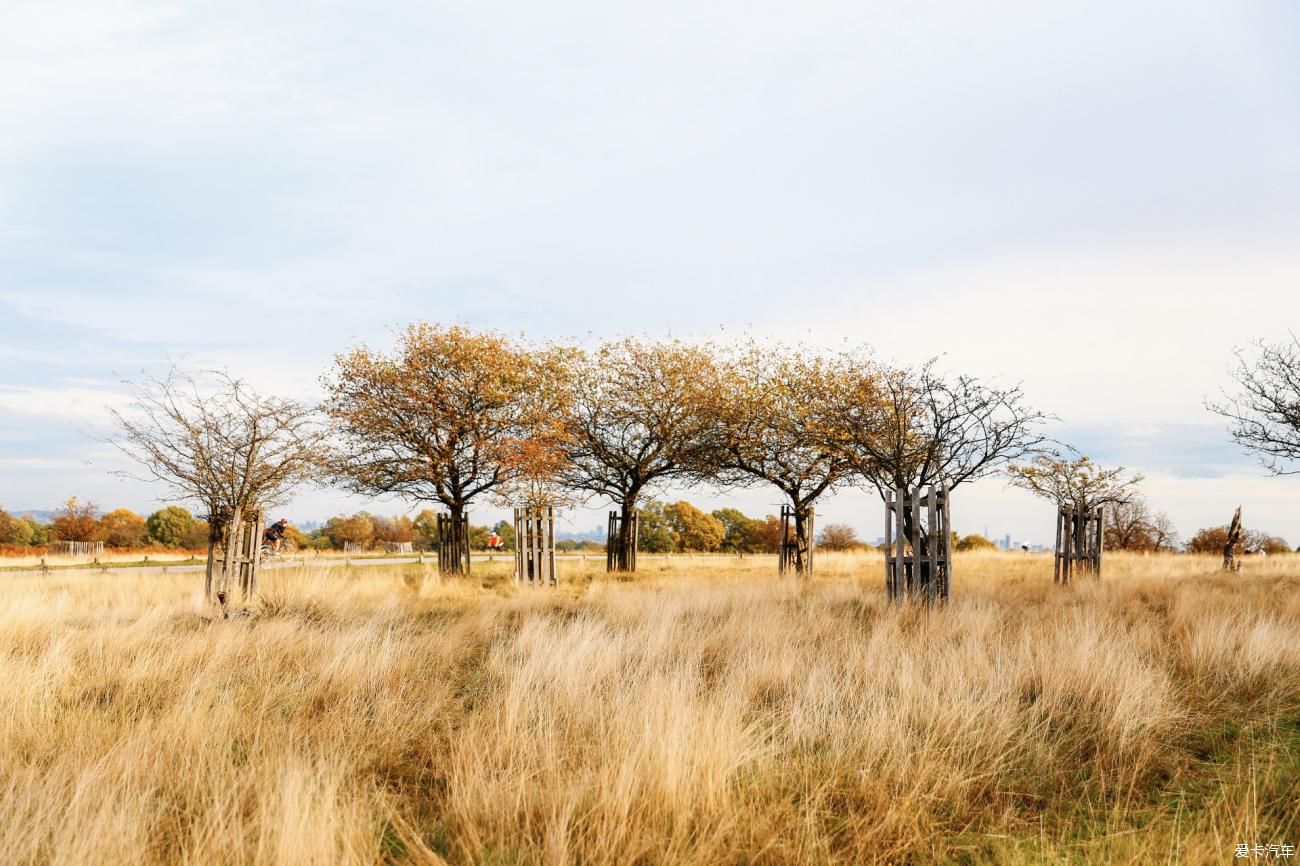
column 451, row 416
column 838, row 536
column 425, row 527
column 1078, row 483
column 656, row 534
column 740, row 534
column 14, row 531
column 1209, row 540
column 123, row 528
column 588, row 545
column 397, row 529
column 197, row 536
column 213, row 440
column 169, row 526
column 1215, row 538
column 692, row 529
column 767, row 534
column 1133, row 526
column 77, row 521
column 974, row 542
column 1264, row 413
column 630, row 426
column 568, row 545
column 358, row 529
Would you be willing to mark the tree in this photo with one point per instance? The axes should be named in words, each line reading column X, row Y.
column 838, row 536
column 359, row 529
column 77, row 521
column 768, row 420
column 451, row 416
column 909, row 427
column 1132, row 526
column 767, row 534
column 629, row 426
column 1076, row 483
column 1264, row 414
column 123, row 528
column 656, row 534
column 692, row 529
column 974, row 542
column 395, row 530
column 14, row 531
column 213, row 440
column 169, row 526
column 1215, row 538
column 740, row 532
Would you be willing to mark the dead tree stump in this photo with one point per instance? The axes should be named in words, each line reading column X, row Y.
column 1230, row 545
column 1079, row 542
column 918, row 545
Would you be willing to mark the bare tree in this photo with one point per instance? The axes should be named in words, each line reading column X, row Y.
column 1264, row 414
column 838, row 536
column 214, row 441
column 1132, row 525
column 922, row 427
column 1077, row 483
column 630, row 427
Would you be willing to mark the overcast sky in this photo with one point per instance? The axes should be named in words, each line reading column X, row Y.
column 1099, row 200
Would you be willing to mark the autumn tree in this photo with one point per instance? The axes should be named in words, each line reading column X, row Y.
column 358, row 529
column 768, row 421
column 14, row 531
column 77, row 521
column 838, row 536
column 1213, row 540
column 1264, row 411
column 692, row 529
column 629, row 425
column 740, row 532
column 974, row 542
column 450, row 416
column 123, row 528
column 169, row 526
column 214, row 440
column 1077, row 483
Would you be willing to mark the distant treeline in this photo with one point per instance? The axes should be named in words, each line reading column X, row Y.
column 677, row 527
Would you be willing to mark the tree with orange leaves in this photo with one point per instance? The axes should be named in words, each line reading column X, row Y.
column 450, row 416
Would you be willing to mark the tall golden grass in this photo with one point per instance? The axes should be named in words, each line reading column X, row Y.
column 705, row 712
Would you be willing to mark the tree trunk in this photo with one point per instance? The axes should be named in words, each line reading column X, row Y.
column 803, row 525
column 626, row 559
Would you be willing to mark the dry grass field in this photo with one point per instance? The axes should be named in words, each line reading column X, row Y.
column 706, row 713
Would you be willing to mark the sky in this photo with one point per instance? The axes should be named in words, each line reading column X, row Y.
column 1098, row 201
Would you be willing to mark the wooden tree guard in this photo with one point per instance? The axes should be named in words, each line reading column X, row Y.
column 620, row 556
column 453, row 544
column 918, row 544
column 235, row 558
column 1235, row 532
column 1080, row 537
column 535, row 545
column 789, row 549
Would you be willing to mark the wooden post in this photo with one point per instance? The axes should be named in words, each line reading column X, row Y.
column 918, row 555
